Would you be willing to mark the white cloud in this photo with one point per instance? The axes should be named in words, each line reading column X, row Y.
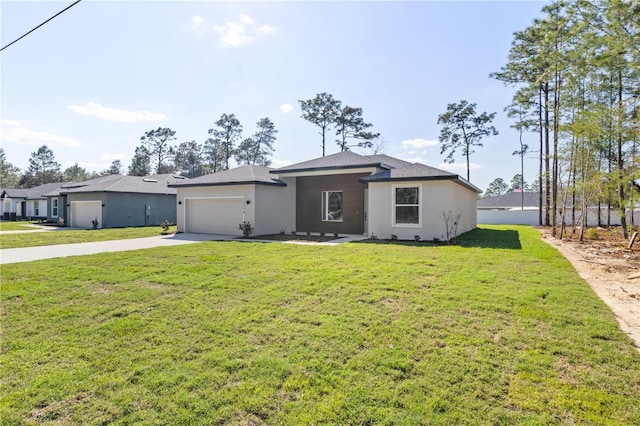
column 419, row 143
column 114, row 114
column 233, row 34
column 196, row 22
column 7, row 122
column 266, row 29
column 246, row 19
column 26, row 136
column 286, row 108
column 242, row 31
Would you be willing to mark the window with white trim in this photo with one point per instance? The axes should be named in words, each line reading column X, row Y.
column 54, row 208
column 36, row 208
column 406, row 205
column 332, row 206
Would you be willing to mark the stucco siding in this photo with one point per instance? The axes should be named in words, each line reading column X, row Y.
column 121, row 209
column 130, row 209
column 275, row 208
column 437, row 197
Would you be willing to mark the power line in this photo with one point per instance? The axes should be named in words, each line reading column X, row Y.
column 32, row 30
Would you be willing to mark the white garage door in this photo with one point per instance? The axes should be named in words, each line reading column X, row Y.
column 214, row 215
column 83, row 212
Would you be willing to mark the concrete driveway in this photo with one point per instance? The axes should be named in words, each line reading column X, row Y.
column 28, row 254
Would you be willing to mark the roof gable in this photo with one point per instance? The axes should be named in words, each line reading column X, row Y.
column 340, row 160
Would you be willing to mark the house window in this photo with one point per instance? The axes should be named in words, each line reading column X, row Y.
column 36, row 208
column 332, row 206
column 406, row 205
column 54, row 208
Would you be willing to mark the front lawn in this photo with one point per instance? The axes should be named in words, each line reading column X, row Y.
column 497, row 330
column 17, row 226
column 69, row 236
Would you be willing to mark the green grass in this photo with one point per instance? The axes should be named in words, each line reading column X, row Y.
column 16, row 226
column 497, row 330
column 69, row 236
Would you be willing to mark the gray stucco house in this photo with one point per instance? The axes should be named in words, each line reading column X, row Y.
column 345, row 193
column 115, row 201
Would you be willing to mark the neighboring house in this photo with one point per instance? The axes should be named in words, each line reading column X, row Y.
column 515, row 208
column 115, row 201
column 23, row 204
column 507, row 209
column 344, row 193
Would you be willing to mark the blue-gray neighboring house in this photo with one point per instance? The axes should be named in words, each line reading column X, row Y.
column 115, row 201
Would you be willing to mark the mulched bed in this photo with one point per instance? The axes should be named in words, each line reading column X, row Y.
column 289, row 237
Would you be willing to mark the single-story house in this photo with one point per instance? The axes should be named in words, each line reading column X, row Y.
column 23, row 204
column 345, row 193
column 508, row 209
column 115, row 201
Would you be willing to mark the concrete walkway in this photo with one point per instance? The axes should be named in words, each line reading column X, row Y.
column 28, row 254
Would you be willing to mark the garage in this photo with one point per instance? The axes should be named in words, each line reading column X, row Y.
column 214, row 215
column 84, row 212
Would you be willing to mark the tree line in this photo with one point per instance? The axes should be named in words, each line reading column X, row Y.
column 225, row 147
column 576, row 70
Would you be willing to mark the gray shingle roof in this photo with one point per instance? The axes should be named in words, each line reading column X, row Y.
column 249, row 174
column 37, row 192
column 418, row 171
column 154, row 184
column 341, row 160
column 510, row 200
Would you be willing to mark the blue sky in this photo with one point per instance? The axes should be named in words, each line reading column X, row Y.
column 89, row 83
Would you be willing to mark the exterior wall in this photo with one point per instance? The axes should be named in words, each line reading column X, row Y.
column 465, row 202
column 62, row 209
column 31, row 209
column 309, row 203
column 10, row 207
column 246, row 191
column 121, row 209
column 436, row 197
column 275, row 208
column 530, row 217
column 129, row 209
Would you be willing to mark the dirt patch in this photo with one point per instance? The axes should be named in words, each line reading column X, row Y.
column 612, row 271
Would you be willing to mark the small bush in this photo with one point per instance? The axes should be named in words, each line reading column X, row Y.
column 246, row 228
column 592, row 234
column 165, row 227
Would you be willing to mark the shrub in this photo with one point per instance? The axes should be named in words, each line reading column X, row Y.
column 165, row 227
column 246, row 228
column 592, row 234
